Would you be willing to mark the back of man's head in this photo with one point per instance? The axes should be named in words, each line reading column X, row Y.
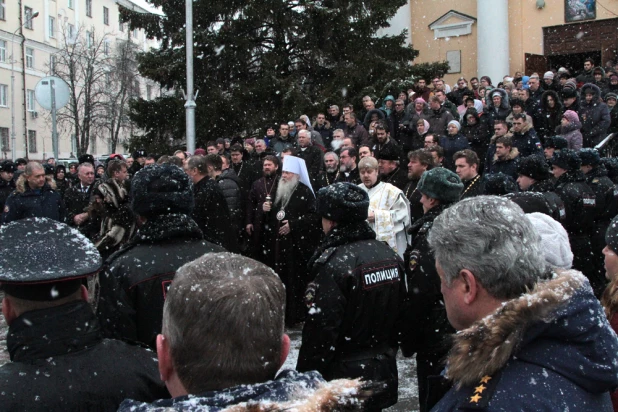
column 223, row 320
column 490, row 237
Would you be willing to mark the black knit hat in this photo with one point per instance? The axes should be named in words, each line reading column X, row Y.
column 343, row 202
column 499, row 184
column 566, row 159
column 589, row 157
column 611, row 235
column 441, row 184
column 86, row 158
column 534, row 167
column 556, row 142
column 8, row 166
column 160, row 190
column 611, row 95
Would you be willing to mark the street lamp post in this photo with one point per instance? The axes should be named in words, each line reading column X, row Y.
column 13, row 155
column 190, row 104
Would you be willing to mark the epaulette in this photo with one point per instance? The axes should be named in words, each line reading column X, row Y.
column 426, row 226
column 481, row 394
column 325, row 255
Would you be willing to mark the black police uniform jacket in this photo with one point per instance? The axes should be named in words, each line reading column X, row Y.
column 25, row 202
column 60, row 362
column 427, row 328
column 354, row 302
column 135, row 280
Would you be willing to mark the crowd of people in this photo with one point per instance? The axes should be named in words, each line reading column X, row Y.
column 487, row 211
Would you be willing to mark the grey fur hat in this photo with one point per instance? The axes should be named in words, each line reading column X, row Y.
column 441, row 184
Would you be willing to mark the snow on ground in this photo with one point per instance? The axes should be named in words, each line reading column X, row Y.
column 408, row 389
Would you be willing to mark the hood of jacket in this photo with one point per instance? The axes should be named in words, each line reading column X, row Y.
column 504, row 103
column 590, row 88
column 470, row 111
column 379, row 112
column 513, row 153
column 494, row 137
column 557, row 100
column 559, row 325
column 291, row 390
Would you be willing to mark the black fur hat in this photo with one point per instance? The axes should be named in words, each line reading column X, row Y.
column 534, row 167
column 343, row 202
column 8, row 166
column 611, row 235
column 556, row 142
column 86, row 158
column 531, row 202
column 589, row 157
column 567, row 160
column 161, row 190
column 499, row 184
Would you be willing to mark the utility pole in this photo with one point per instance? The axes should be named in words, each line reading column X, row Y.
column 190, row 98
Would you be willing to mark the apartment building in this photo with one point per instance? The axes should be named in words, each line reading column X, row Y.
column 32, row 32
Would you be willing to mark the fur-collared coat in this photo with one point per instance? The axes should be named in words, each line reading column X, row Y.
column 548, row 350
column 508, row 165
column 118, row 222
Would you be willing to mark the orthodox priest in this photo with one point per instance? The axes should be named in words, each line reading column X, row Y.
column 389, row 210
column 297, row 231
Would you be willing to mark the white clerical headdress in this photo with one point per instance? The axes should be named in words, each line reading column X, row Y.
column 297, row 166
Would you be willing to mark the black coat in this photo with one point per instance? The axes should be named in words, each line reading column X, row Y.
column 350, row 177
column 76, row 202
column 230, row 186
column 397, row 178
column 556, row 205
column 354, row 301
column 314, row 159
column 478, row 135
column 34, row 203
column 508, row 166
column 212, row 215
column 137, row 277
column 473, row 187
column 6, row 188
column 414, row 197
column 594, row 116
column 60, row 362
column 527, row 143
column 261, row 246
column 428, row 328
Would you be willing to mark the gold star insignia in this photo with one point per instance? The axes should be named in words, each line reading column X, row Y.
column 475, row 399
column 485, row 379
column 480, row 389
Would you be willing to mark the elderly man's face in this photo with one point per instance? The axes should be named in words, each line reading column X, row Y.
column 260, row 147
column 386, row 166
column 86, row 175
column 347, row 142
column 533, row 84
column 330, row 163
column 304, row 139
column 36, row 179
column 454, row 300
column 288, row 176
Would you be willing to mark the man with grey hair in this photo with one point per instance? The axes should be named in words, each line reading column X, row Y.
column 528, row 338
column 78, row 197
column 331, row 173
column 311, row 154
column 209, row 358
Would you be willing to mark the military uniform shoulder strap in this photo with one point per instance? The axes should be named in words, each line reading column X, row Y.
column 325, row 256
column 480, row 395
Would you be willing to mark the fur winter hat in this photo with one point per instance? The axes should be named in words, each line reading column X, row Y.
column 566, row 159
column 86, row 158
column 499, row 184
column 554, row 239
column 343, row 202
column 611, row 235
column 388, row 152
column 160, row 190
column 589, row 157
column 611, row 96
column 531, row 202
column 534, row 167
column 611, row 164
column 441, row 184
column 8, row 166
column 138, row 153
column 556, row 142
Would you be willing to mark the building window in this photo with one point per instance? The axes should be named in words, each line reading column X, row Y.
column 73, row 143
column 28, row 15
column 136, row 91
column 52, row 64
column 135, row 33
column 30, row 105
column 32, row 141
column 70, row 3
column 106, row 47
column 148, row 92
column 71, row 32
column 105, row 16
column 2, row 51
column 4, row 139
column 30, row 57
column 89, row 8
column 4, row 94
column 2, row 11
column 52, row 27
column 89, row 39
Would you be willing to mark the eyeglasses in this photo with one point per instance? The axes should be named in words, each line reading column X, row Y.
column 398, row 104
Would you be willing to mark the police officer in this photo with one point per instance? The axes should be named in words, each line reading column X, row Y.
column 534, row 177
column 428, row 326
column 60, row 361
column 354, row 299
column 580, row 207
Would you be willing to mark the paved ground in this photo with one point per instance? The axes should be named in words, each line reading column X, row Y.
column 408, row 391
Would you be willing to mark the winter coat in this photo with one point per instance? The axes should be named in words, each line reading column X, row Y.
column 261, row 238
column 500, row 113
column 613, row 115
column 290, row 390
column 278, row 144
column 594, row 116
column 585, row 77
column 350, row 177
column 438, row 120
column 25, row 202
column 6, row 188
column 527, row 142
column 358, row 134
column 507, row 166
column 451, row 145
column 326, row 131
column 77, row 202
column 571, row 132
column 230, row 186
column 314, row 159
column 427, row 327
column 473, row 187
column 62, row 185
column 118, row 221
column 402, row 134
column 212, row 215
column 555, row 203
column 397, row 178
column 357, row 291
column 367, row 118
column 549, row 118
column 551, row 349
column 477, row 134
column 60, row 362
column 136, row 278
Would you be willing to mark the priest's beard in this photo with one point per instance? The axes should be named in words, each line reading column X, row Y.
column 336, row 144
column 285, row 190
column 331, row 169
